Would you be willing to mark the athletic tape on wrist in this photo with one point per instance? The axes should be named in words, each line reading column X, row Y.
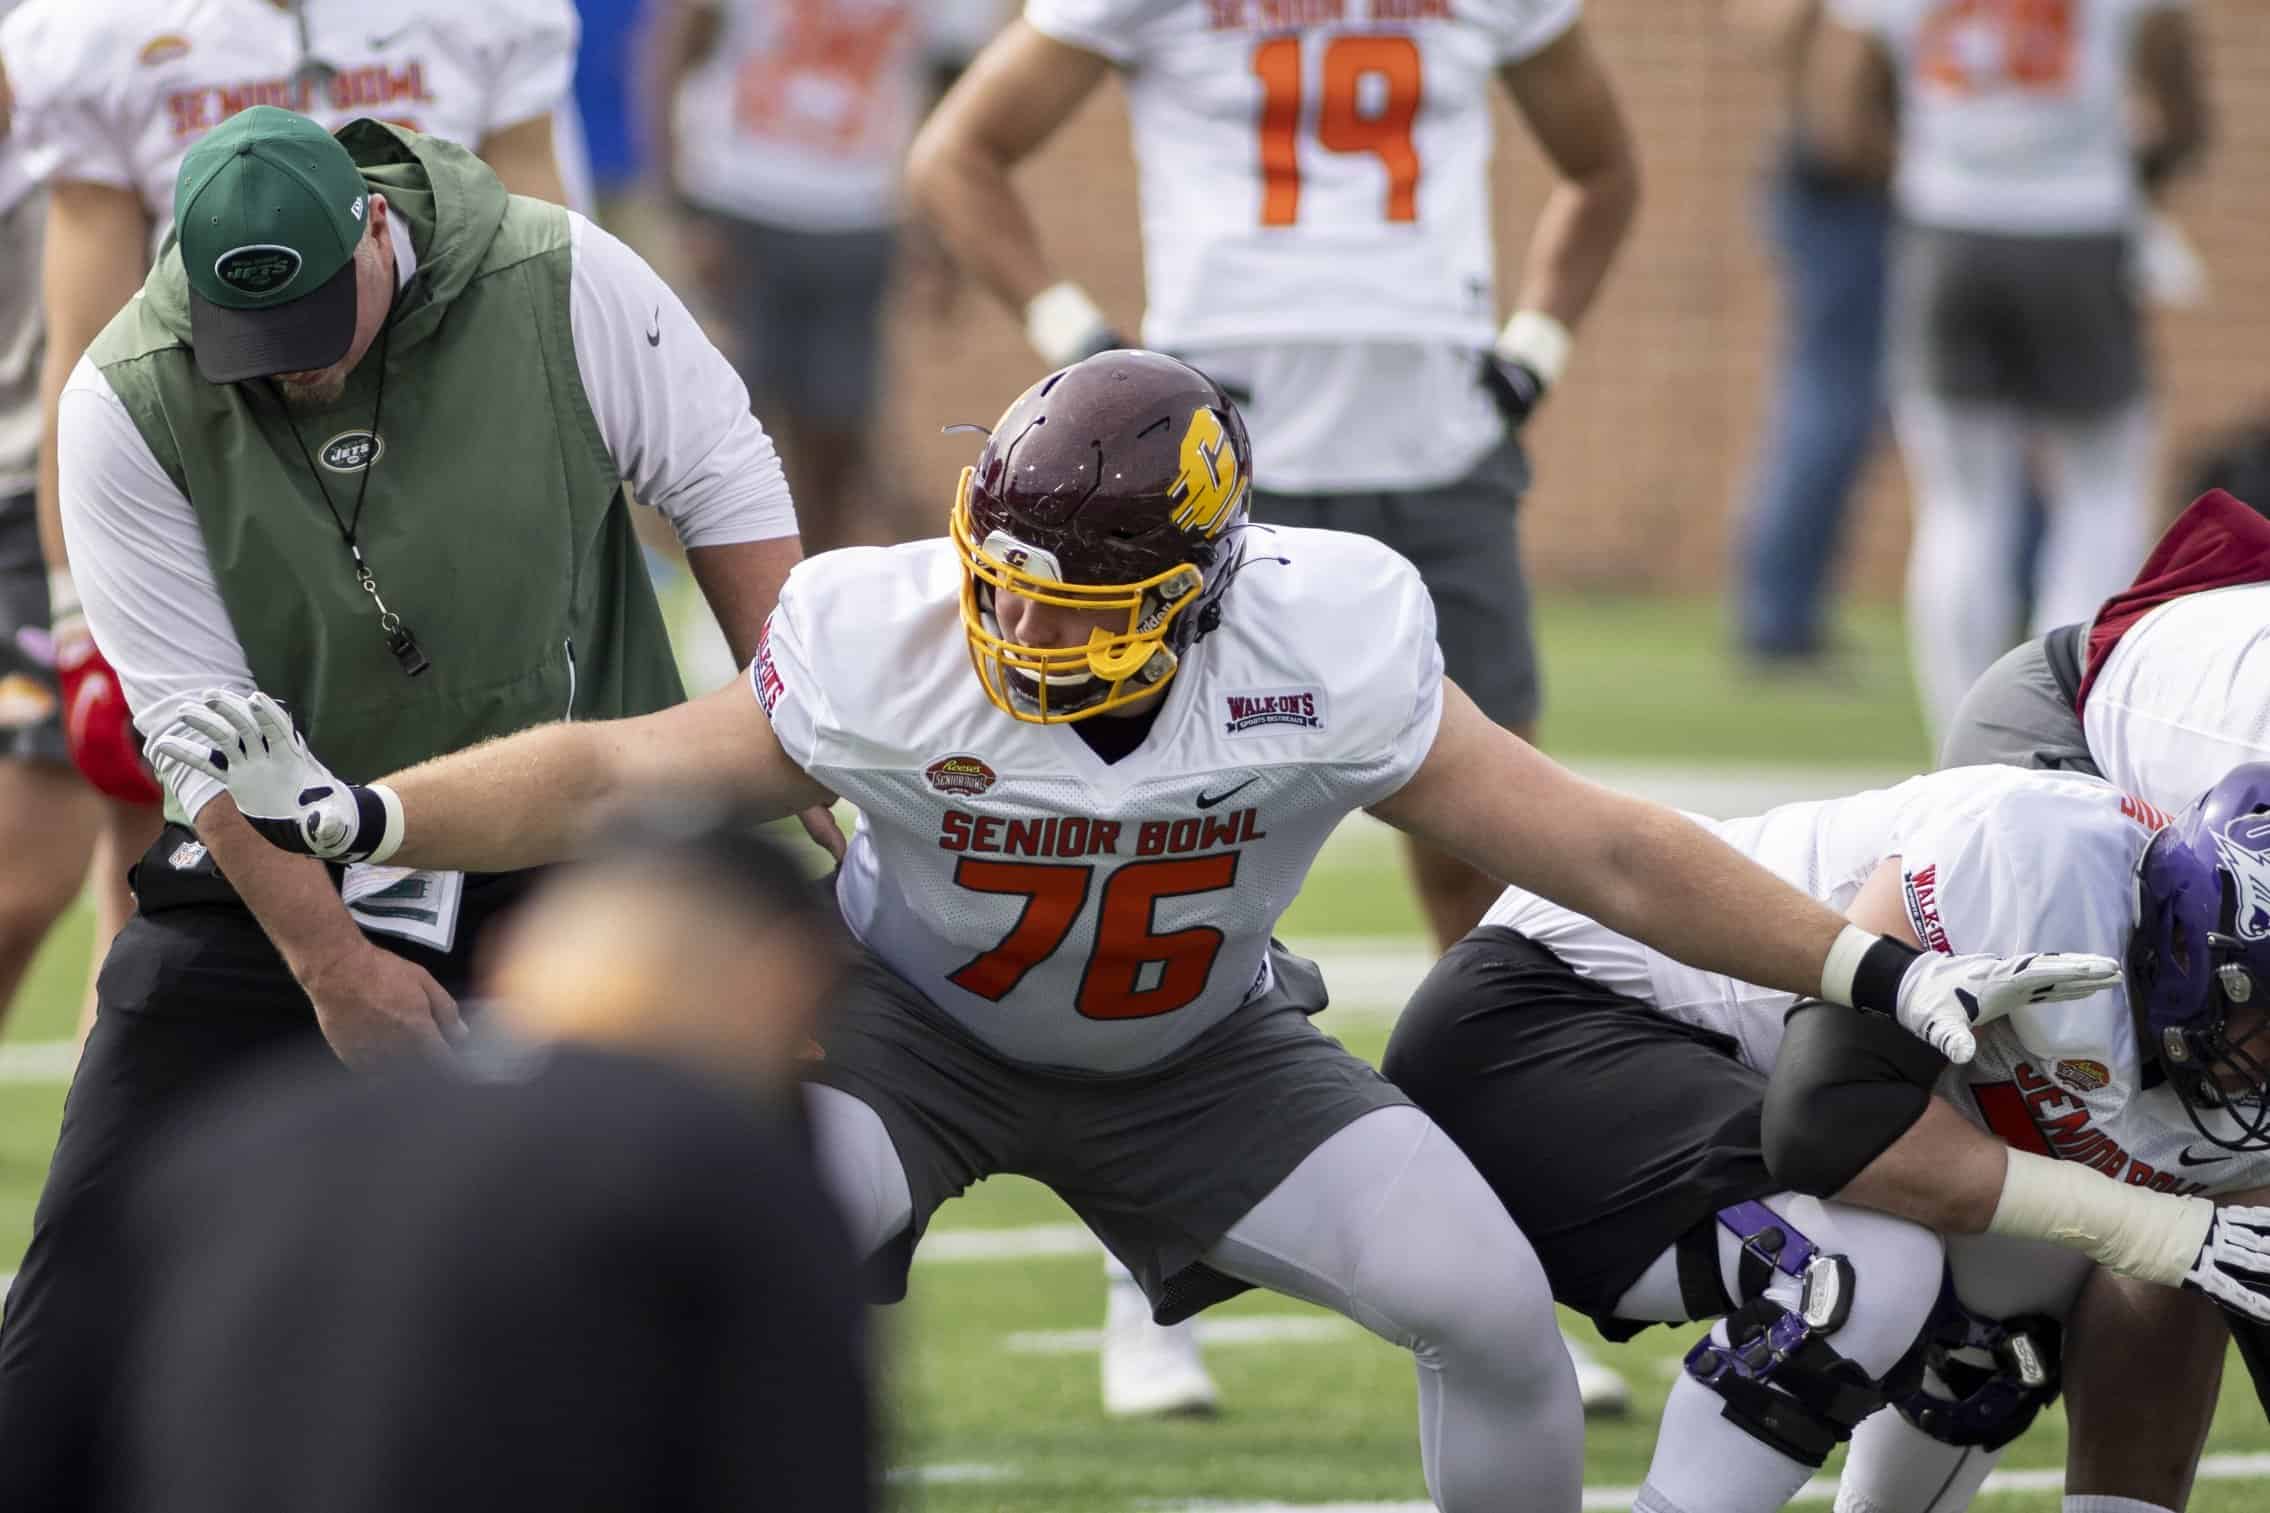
column 387, row 819
column 1538, row 342
column 1059, row 321
column 2151, row 1236
column 62, row 594
column 1864, row 969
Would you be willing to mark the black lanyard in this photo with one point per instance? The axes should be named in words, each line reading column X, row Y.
column 400, row 640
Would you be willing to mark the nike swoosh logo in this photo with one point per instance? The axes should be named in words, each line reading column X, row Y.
column 654, row 332
column 2189, row 1159
column 1209, row 800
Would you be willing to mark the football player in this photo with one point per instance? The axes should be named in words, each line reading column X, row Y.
column 1096, row 737
column 109, row 96
column 2020, row 184
column 1317, row 235
column 1685, row 1184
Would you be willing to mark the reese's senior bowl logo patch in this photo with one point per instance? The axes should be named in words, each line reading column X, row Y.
column 2084, row 1076
column 1262, row 709
column 352, row 451
column 963, row 776
column 262, row 268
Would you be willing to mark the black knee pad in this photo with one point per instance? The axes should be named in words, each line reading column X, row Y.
column 1998, row 1374
column 1783, row 1383
column 1845, row 1085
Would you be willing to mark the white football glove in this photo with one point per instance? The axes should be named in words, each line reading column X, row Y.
column 1942, row 997
column 292, row 799
column 2233, row 1267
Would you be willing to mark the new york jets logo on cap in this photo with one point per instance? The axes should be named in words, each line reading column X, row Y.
column 261, row 268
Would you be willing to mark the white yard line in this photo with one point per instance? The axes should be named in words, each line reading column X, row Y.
column 2237, row 1468
column 1251, row 1329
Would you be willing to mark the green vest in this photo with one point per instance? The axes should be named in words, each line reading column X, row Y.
column 495, row 522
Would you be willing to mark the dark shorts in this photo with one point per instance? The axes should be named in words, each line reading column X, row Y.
column 805, row 310
column 31, row 704
column 1608, row 1130
column 2020, row 712
column 1462, row 539
column 2045, row 323
column 1159, row 1163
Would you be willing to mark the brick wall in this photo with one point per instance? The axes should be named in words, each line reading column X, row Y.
column 1642, row 456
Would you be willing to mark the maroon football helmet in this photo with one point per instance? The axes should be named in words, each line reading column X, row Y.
column 1118, row 485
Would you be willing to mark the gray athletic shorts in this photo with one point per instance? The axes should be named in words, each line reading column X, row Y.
column 2046, row 323
column 806, row 312
column 2020, row 712
column 1159, row 1163
column 31, row 706
column 1462, row 539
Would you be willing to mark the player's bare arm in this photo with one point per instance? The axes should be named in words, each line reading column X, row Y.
column 741, row 583
column 2170, row 82
column 90, row 267
column 522, row 157
column 1646, row 871
column 1565, row 97
column 1014, row 96
column 521, row 801
column 1850, row 94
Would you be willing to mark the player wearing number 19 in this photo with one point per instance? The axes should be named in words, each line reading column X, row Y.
column 1069, row 867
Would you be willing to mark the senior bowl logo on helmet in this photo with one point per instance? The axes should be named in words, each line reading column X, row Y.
column 262, row 268
column 961, row 775
column 1208, row 488
column 2243, row 847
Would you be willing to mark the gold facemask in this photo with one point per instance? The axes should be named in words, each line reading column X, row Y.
column 1055, row 685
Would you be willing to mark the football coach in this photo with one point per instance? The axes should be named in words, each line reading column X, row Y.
column 362, row 440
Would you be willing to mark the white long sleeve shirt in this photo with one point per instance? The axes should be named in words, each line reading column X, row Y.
column 672, row 412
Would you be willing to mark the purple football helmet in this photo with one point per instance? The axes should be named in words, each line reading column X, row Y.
column 2201, row 945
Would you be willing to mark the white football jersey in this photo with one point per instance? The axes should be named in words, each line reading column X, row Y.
column 1312, row 169
column 801, row 115
column 1067, row 911
column 2185, row 696
column 2013, row 116
column 115, row 92
column 1993, row 859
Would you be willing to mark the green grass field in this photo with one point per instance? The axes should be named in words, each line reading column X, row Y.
column 982, row 1421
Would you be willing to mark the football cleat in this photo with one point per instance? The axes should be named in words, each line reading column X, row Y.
column 1149, row 1370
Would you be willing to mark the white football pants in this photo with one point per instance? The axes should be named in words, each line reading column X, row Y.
column 1386, row 1223
column 1967, row 473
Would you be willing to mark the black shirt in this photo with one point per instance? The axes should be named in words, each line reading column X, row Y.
column 547, row 1278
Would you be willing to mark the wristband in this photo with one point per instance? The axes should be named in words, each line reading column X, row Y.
column 2151, row 1236
column 378, row 811
column 1059, row 321
column 1538, row 342
column 1864, row 970
column 62, row 595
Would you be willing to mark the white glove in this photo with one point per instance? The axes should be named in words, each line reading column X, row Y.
column 292, row 799
column 2233, row 1267
column 1941, row 997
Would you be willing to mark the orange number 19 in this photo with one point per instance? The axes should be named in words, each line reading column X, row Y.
column 1342, row 125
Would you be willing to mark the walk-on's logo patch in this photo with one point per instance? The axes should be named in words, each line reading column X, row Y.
column 1255, row 709
column 2084, row 1076
column 962, row 775
column 1922, row 890
column 262, row 268
column 352, row 451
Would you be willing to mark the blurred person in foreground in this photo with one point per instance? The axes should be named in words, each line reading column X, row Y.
column 109, row 95
column 1828, row 229
column 780, row 126
column 585, row 1264
column 2021, row 186
column 365, row 436
column 1318, row 237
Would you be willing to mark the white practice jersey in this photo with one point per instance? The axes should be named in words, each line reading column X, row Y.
column 2013, row 116
column 2185, row 696
column 1317, row 225
column 801, row 114
column 1993, row 859
column 115, row 92
column 1067, row 911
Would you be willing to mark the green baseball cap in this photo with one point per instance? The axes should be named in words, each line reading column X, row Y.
column 268, row 208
